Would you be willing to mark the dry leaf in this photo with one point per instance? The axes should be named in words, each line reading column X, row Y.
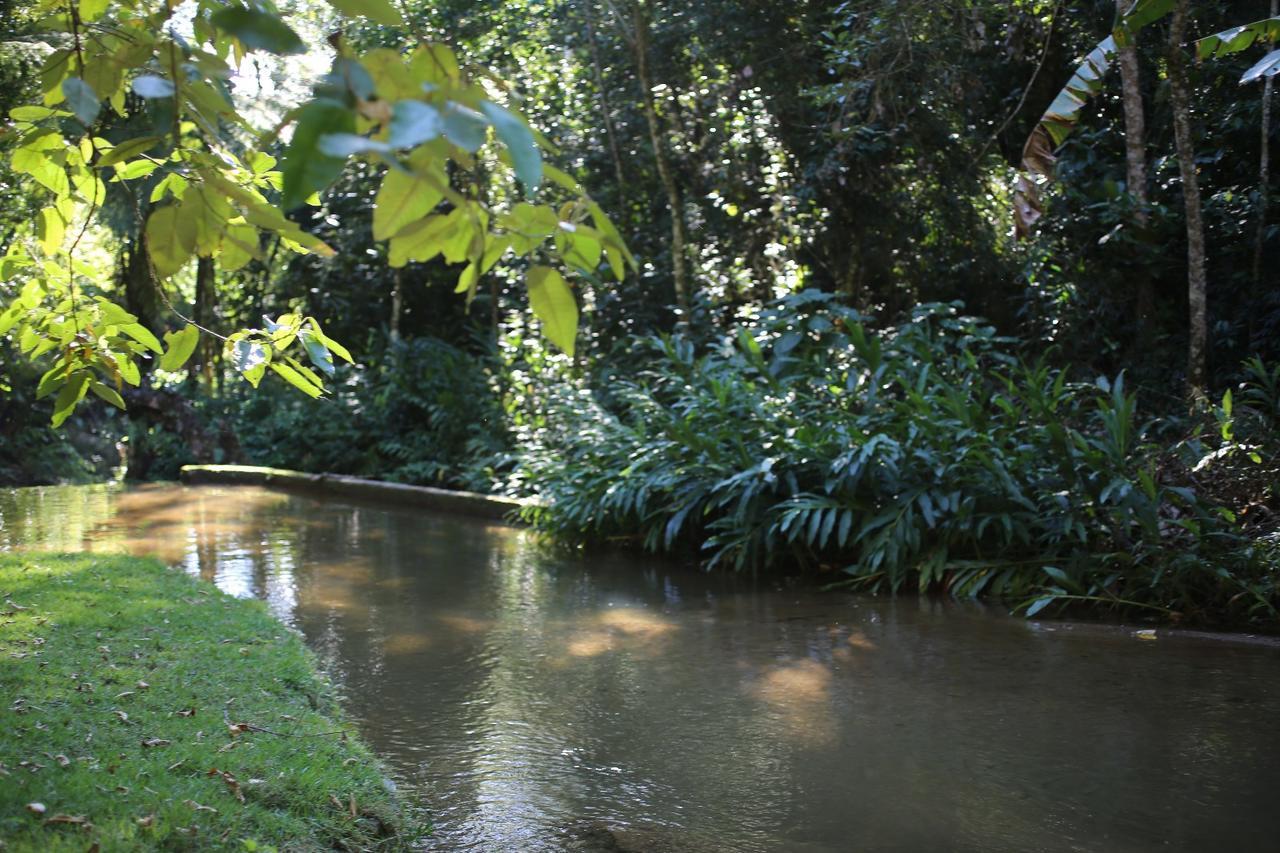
column 142, row 685
column 76, row 819
column 230, row 781
column 187, row 712
column 62, row 760
column 124, row 694
column 146, row 821
column 154, row 742
column 194, row 805
column 36, row 808
column 124, row 718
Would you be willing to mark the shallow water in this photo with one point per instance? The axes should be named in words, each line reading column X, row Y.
column 543, row 703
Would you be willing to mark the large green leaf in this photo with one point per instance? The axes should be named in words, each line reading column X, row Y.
column 413, row 123
column 153, row 86
column 1268, row 66
column 375, row 10
column 463, row 126
column 71, row 394
column 180, row 345
column 403, row 198
column 170, row 240
column 1237, row 39
column 258, row 30
column 515, row 134
column 306, row 168
column 553, row 303
column 82, row 100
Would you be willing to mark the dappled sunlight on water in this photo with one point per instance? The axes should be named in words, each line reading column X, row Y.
column 531, row 699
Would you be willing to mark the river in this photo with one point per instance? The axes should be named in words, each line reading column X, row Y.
column 533, row 700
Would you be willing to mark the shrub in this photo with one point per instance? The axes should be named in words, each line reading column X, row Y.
column 925, row 454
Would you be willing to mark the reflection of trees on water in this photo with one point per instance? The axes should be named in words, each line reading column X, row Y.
column 527, row 692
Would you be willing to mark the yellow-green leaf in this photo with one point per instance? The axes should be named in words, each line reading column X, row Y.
column 296, row 379
column 553, row 303
column 107, row 393
column 402, row 199
column 376, row 10
column 51, row 229
column 179, row 346
column 128, row 148
column 170, row 240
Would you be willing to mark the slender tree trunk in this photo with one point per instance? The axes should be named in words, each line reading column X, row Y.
column 607, row 113
column 640, row 19
column 206, row 295
column 397, row 302
column 1264, row 189
column 1180, row 99
column 1135, row 144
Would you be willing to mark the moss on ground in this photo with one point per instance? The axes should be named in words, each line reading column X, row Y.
column 144, row 709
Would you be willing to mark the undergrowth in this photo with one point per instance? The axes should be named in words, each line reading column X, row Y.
column 926, row 455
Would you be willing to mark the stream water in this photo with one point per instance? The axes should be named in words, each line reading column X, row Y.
column 539, row 702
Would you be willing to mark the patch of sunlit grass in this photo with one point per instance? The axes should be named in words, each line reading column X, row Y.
column 146, row 710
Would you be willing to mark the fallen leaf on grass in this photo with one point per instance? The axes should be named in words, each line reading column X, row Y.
column 232, row 784
column 62, row 760
column 145, row 821
column 142, row 685
column 154, row 742
column 194, row 805
column 125, row 694
column 36, row 808
column 73, row 819
column 124, row 718
column 187, row 712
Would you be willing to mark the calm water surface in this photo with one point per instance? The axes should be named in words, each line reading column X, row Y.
column 536, row 702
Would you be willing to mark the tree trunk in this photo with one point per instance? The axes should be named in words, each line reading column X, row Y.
column 1264, row 189
column 1135, row 145
column 640, row 19
column 206, row 349
column 1180, row 99
column 606, row 111
column 397, row 302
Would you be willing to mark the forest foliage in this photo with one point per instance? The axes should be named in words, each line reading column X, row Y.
column 857, row 286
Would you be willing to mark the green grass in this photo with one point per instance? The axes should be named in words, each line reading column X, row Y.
column 144, row 710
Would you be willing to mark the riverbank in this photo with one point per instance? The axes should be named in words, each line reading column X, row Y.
column 147, row 710
column 341, row 486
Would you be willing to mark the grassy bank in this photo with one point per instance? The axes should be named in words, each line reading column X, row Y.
column 146, row 710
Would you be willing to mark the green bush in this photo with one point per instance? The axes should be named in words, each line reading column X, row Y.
column 923, row 455
column 421, row 412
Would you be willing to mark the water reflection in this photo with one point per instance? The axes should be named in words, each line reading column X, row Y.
column 540, row 703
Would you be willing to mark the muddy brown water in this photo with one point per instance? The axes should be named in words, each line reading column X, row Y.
column 538, row 702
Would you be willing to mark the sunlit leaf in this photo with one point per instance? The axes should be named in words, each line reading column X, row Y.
column 258, row 30
column 515, row 134
column 305, row 168
column 179, row 347
column 82, row 100
column 553, row 303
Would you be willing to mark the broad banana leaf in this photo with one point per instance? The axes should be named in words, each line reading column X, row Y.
column 1063, row 114
column 1237, row 39
column 1060, row 120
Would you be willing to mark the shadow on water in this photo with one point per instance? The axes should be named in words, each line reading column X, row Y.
column 542, row 703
